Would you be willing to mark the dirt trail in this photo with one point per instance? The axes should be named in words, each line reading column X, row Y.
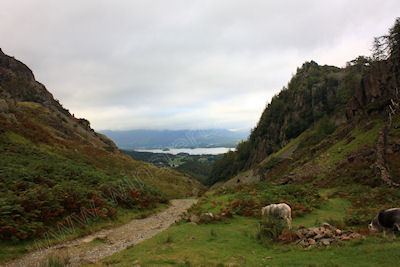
column 83, row 250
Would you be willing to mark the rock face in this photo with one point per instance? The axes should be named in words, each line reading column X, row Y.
column 375, row 90
column 294, row 109
column 15, row 66
column 324, row 235
column 18, row 82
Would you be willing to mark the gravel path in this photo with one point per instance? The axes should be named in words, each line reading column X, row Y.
column 83, row 250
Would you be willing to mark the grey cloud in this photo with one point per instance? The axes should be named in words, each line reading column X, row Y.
column 182, row 64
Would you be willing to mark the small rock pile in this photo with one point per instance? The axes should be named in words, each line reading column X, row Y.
column 324, row 235
column 207, row 217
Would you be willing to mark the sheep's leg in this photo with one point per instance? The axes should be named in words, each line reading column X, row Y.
column 289, row 222
column 395, row 227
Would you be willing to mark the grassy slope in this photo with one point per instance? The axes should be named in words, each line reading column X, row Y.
column 173, row 184
column 360, row 138
column 39, row 167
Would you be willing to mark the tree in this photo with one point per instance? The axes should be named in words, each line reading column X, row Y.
column 378, row 49
column 388, row 46
column 393, row 42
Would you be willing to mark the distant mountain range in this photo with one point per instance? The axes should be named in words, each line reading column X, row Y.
column 159, row 139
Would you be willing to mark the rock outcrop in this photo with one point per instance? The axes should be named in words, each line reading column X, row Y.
column 381, row 143
column 18, row 85
column 373, row 94
column 18, row 82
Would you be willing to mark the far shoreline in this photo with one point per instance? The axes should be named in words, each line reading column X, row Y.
column 190, row 151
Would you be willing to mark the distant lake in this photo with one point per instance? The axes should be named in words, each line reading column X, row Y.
column 191, row 151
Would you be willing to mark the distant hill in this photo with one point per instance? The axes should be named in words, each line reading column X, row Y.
column 55, row 168
column 152, row 139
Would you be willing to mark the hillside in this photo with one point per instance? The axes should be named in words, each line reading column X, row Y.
column 56, row 170
column 156, row 139
column 317, row 100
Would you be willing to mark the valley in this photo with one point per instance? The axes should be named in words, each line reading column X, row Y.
column 197, row 166
column 322, row 154
column 176, row 139
column 327, row 145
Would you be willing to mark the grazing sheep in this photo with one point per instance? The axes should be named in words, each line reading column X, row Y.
column 282, row 211
column 386, row 220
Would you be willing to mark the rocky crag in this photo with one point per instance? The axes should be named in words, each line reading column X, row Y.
column 18, row 85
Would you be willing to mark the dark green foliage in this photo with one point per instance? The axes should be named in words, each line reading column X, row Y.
column 199, row 170
column 224, row 168
column 56, row 260
column 39, row 189
column 157, row 159
column 295, row 129
column 197, row 166
column 322, row 129
column 169, row 239
column 388, row 46
column 393, row 42
column 367, row 202
column 231, row 163
column 269, row 229
column 213, row 233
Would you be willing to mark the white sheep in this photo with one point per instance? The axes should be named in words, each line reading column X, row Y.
column 282, row 211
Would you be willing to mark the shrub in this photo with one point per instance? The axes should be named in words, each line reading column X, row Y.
column 213, row 233
column 169, row 239
column 269, row 229
column 56, row 260
column 40, row 189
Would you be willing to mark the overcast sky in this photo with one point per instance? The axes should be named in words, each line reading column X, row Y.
column 173, row 64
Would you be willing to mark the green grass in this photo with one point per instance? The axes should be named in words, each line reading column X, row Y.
column 213, row 202
column 220, row 244
column 16, row 138
column 291, row 144
column 56, row 259
column 361, row 138
column 333, row 210
column 234, row 241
